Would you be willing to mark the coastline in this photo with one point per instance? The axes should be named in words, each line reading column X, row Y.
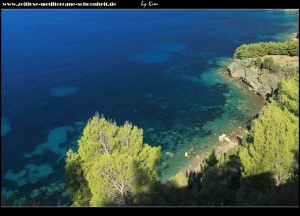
column 167, row 78
column 235, row 135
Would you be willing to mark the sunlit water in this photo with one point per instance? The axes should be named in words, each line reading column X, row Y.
column 158, row 69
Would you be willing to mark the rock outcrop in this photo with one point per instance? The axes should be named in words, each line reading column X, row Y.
column 261, row 81
column 223, row 137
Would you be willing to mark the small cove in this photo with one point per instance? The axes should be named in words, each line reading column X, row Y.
column 162, row 76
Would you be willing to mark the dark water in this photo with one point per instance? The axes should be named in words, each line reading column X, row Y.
column 157, row 69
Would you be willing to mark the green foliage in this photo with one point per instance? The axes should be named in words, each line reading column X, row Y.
column 249, row 51
column 254, row 50
column 256, row 190
column 258, row 62
column 211, row 160
column 179, row 180
column 270, row 154
column 112, row 167
column 274, row 140
column 220, row 183
column 289, row 95
column 269, row 64
column 232, row 152
column 260, row 190
column 290, row 70
column 112, row 180
column 288, row 194
column 293, row 48
column 76, row 183
column 229, row 155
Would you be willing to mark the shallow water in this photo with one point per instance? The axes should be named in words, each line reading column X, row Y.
column 158, row 69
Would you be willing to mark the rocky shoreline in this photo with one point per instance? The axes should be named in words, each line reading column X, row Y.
column 258, row 82
column 226, row 142
column 235, row 136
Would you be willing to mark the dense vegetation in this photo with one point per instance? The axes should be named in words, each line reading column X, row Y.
column 254, row 50
column 270, row 154
column 112, row 166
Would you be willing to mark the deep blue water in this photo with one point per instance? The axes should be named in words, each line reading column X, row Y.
column 155, row 68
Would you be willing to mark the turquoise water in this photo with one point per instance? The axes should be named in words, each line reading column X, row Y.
column 239, row 107
column 158, row 69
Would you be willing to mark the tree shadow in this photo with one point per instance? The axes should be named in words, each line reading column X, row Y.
column 260, row 190
column 214, row 185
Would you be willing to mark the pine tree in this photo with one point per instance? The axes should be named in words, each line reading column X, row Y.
column 289, row 95
column 112, row 165
column 274, row 141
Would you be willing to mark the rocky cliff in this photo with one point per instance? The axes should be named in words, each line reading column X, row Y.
column 262, row 81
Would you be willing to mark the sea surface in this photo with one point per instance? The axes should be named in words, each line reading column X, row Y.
column 158, row 69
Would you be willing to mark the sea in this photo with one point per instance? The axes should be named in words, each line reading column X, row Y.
column 159, row 69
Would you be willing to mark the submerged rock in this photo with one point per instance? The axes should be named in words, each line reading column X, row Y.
column 5, row 126
column 35, row 193
column 169, row 154
column 64, row 194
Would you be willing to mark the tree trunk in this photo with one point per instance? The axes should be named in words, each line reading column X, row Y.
column 123, row 198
